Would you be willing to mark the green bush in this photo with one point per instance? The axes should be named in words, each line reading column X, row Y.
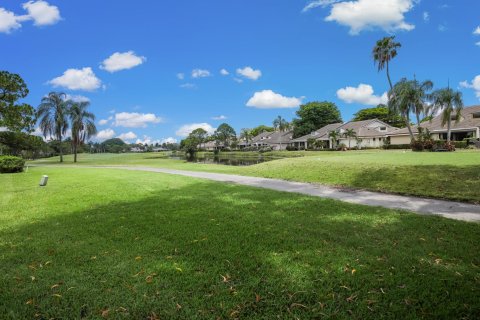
column 460, row 144
column 11, row 164
column 398, row 146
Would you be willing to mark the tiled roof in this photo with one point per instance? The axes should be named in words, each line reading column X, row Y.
column 467, row 121
column 321, row 133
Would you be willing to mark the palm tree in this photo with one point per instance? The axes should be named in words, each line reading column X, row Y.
column 333, row 135
column 349, row 133
column 83, row 124
column 419, row 97
column 280, row 123
column 383, row 52
column 52, row 113
column 246, row 134
column 448, row 101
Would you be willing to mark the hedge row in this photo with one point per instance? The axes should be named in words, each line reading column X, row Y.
column 11, row 164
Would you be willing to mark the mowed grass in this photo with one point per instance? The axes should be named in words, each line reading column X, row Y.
column 450, row 175
column 116, row 244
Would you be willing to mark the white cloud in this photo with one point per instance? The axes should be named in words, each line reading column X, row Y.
column 168, row 140
column 220, row 117
column 135, row 120
column 186, row 129
column 360, row 15
column 475, row 85
column 477, row 31
column 363, row 94
column 122, row 61
column 442, row 28
column 478, row 43
column 249, row 73
column 127, row 136
column 200, row 73
column 8, row 21
column 180, row 76
column 188, row 85
column 224, row 72
column 105, row 134
column 42, row 13
column 103, row 122
column 238, row 80
column 426, row 16
column 77, row 79
column 267, row 99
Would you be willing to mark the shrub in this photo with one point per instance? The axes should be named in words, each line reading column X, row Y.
column 460, row 144
column 292, row 148
column 398, row 146
column 417, row 145
column 11, row 164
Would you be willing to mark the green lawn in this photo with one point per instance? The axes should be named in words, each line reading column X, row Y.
column 119, row 244
column 452, row 175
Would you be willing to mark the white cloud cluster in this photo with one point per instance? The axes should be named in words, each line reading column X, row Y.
column 224, row 72
column 168, row 140
column 426, row 16
column 76, row 98
column 41, row 12
column 122, row 61
column 360, row 15
column 135, row 120
column 103, row 122
column 186, row 129
column 200, row 73
column 363, row 94
column 127, row 136
column 220, row 117
column 477, row 31
column 249, row 72
column 77, row 79
column 105, row 134
column 475, row 85
column 267, row 99
column 148, row 140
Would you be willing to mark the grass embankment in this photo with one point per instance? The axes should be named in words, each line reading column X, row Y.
column 453, row 176
column 119, row 244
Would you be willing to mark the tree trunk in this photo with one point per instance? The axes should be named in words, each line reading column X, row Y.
column 74, row 152
column 409, row 127
column 388, row 77
column 349, row 143
column 60, row 148
column 449, row 133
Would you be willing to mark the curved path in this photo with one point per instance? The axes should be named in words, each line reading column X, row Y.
column 447, row 209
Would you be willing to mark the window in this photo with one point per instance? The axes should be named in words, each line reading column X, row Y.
column 374, row 139
column 383, row 128
column 476, row 115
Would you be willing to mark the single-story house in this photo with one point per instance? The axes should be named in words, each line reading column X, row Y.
column 467, row 127
column 277, row 140
column 370, row 134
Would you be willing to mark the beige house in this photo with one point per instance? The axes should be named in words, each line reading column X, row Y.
column 369, row 134
column 277, row 140
column 467, row 127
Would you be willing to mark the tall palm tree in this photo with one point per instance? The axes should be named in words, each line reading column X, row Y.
column 52, row 113
column 383, row 52
column 448, row 102
column 420, row 95
column 349, row 133
column 410, row 96
column 333, row 135
column 280, row 124
column 83, row 124
column 246, row 134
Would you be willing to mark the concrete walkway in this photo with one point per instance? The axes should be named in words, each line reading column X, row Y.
column 447, row 209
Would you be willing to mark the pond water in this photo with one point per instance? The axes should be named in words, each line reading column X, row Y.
column 227, row 160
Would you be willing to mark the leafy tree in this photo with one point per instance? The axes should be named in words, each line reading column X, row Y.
column 349, row 133
column 114, row 145
column 18, row 143
column 83, row 124
column 260, row 129
column 199, row 135
column 315, row 115
column 15, row 117
column 52, row 113
column 450, row 104
column 280, row 124
column 380, row 112
column 225, row 134
column 383, row 52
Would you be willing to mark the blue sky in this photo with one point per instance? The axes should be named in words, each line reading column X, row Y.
column 151, row 69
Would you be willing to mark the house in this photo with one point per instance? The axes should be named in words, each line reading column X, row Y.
column 210, row 146
column 369, row 134
column 467, row 127
column 320, row 134
column 277, row 140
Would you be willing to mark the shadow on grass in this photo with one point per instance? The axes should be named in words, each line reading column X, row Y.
column 210, row 250
column 438, row 181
